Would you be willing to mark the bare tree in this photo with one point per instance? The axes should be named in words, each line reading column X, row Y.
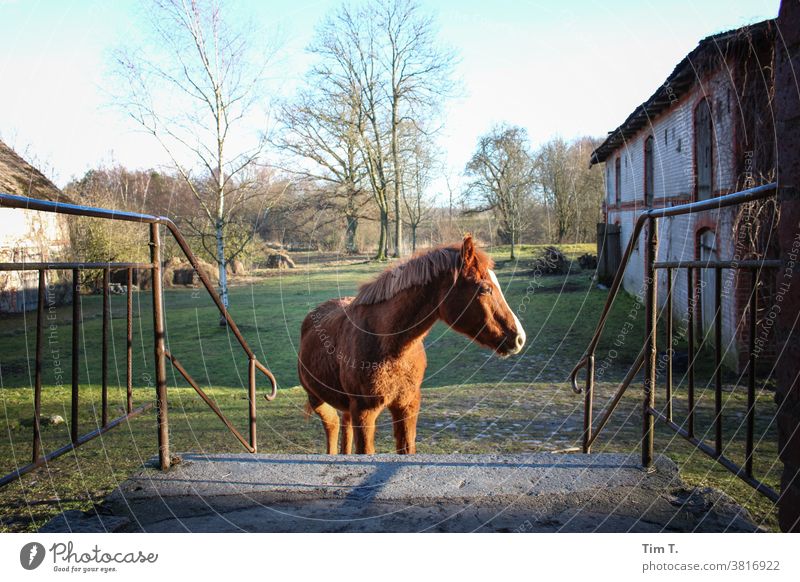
column 384, row 57
column 345, row 47
column 196, row 90
column 320, row 130
column 418, row 72
column 417, row 166
column 571, row 191
column 501, row 179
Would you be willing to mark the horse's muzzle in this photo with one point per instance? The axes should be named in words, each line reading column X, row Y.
column 512, row 345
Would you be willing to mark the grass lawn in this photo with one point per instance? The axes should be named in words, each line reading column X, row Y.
column 527, row 252
column 472, row 402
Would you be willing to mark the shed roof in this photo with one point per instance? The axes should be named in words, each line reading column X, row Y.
column 19, row 177
column 681, row 80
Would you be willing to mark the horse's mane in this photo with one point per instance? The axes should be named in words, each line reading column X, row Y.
column 420, row 269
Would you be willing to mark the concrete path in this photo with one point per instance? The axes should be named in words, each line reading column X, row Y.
column 540, row 492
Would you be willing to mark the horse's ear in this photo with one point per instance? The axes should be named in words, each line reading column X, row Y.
column 469, row 259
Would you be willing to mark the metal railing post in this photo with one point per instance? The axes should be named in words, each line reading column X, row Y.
column 105, row 334
column 751, row 377
column 718, row 360
column 668, row 333
column 251, row 396
column 129, row 343
column 587, row 405
column 651, row 311
column 76, row 349
column 160, row 350
column 37, row 382
column 691, row 306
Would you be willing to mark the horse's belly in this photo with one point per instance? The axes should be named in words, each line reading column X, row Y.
column 318, row 369
column 382, row 382
column 339, row 362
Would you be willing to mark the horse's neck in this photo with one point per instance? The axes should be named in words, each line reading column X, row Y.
column 408, row 317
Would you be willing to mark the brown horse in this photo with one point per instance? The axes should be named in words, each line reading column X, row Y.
column 361, row 355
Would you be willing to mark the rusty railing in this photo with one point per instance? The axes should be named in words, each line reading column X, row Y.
column 160, row 351
column 647, row 356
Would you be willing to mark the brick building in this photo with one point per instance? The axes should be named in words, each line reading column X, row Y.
column 705, row 132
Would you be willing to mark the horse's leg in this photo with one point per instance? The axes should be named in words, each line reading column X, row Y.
column 347, row 434
column 404, row 422
column 330, row 422
column 363, row 420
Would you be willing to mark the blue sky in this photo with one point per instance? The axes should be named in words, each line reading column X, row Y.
column 557, row 68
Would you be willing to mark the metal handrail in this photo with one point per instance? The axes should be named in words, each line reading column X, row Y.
column 161, row 354
column 757, row 193
column 22, row 202
column 647, row 356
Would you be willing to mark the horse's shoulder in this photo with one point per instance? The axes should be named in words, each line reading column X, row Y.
column 334, row 306
column 325, row 311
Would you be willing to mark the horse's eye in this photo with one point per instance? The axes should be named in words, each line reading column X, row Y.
column 486, row 290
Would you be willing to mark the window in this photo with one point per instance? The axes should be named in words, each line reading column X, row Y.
column 617, row 182
column 648, row 171
column 703, row 151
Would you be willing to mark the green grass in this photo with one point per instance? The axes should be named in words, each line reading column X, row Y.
column 529, row 252
column 472, row 402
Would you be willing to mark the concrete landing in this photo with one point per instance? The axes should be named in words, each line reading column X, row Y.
column 540, row 492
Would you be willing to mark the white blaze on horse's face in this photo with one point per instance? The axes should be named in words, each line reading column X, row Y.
column 520, row 339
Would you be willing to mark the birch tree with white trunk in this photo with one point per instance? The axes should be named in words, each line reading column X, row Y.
column 197, row 89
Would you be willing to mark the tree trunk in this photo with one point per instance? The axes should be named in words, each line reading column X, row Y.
column 386, row 239
column 223, row 276
column 382, row 242
column 413, row 238
column 397, row 224
column 350, row 236
column 398, row 221
column 513, row 253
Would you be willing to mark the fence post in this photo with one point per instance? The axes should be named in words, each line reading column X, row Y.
column 651, row 312
column 160, row 351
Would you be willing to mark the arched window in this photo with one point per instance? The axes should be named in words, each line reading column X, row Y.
column 648, row 171
column 703, row 151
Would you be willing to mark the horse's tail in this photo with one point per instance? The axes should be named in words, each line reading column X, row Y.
column 308, row 410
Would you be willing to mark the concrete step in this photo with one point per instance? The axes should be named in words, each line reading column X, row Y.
column 541, row 492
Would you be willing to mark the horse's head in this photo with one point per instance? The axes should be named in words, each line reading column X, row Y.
column 475, row 305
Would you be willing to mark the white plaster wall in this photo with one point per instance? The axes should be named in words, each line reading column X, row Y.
column 674, row 178
column 28, row 236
